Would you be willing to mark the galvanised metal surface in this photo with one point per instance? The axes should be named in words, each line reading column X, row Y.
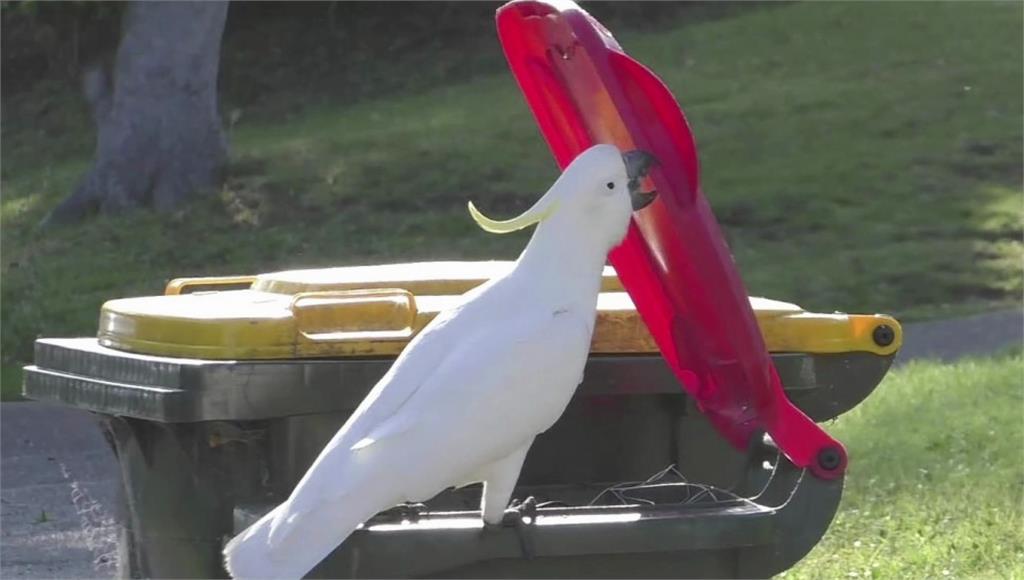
column 81, row 373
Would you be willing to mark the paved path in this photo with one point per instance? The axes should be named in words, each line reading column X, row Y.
column 58, row 485
column 973, row 335
column 58, row 479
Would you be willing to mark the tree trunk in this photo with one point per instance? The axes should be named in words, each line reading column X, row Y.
column 159, row 132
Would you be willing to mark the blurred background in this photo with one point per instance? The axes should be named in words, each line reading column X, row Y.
column 861, row 157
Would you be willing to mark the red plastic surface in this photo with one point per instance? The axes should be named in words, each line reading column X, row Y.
column 583, row 90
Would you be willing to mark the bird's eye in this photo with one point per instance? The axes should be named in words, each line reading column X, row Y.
column 610, row 185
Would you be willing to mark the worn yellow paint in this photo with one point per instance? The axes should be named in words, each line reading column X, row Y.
column 420, row 278
column 376, row 310
column 187, row 285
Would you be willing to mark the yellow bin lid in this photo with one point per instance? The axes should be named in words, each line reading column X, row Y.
column 375, row 310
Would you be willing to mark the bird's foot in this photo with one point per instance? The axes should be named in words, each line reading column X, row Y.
column 521, row 512
column 521, row 516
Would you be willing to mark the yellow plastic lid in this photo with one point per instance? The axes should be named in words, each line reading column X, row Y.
column 375, row 310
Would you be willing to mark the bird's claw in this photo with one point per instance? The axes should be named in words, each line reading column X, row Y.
column 518, row 511
column 515, row 517
column 521, row 516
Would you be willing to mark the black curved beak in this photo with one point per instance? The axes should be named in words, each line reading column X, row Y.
column 638, row 163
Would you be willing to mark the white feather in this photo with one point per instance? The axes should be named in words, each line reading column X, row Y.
column 468, row 395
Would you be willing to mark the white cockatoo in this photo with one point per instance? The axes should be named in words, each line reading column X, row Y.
column 466, row 398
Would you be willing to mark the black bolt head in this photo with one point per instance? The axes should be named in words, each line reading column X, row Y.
column 883, row 335
column 829, row 458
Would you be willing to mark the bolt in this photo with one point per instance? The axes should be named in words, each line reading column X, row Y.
column 829, row 458
column 883, row 335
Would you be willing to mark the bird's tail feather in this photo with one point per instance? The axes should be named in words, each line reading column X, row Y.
column 247, row 555
column 250, row 555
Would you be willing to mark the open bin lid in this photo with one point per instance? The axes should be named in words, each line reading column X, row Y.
column 583, row 90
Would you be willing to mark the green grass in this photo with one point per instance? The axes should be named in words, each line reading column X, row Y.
column 936, row 481
column 10, row 382
column 861, row 157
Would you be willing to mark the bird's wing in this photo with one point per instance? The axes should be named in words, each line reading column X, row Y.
column 491, row 394
column 502, row 373
column 412, row 367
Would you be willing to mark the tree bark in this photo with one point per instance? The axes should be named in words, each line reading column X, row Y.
column 159, row 133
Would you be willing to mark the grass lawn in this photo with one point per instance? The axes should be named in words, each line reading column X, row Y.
column 862, row 157
column 10, row 382
column 936, row 481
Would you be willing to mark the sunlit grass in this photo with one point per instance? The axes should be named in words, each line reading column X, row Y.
column 936, row 481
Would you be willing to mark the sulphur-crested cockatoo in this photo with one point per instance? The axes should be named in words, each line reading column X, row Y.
column 465, row 399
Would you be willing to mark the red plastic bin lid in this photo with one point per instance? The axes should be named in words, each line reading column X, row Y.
column 584, row 90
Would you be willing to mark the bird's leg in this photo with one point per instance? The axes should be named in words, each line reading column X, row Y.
column 499, row 481
column 521, row 516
